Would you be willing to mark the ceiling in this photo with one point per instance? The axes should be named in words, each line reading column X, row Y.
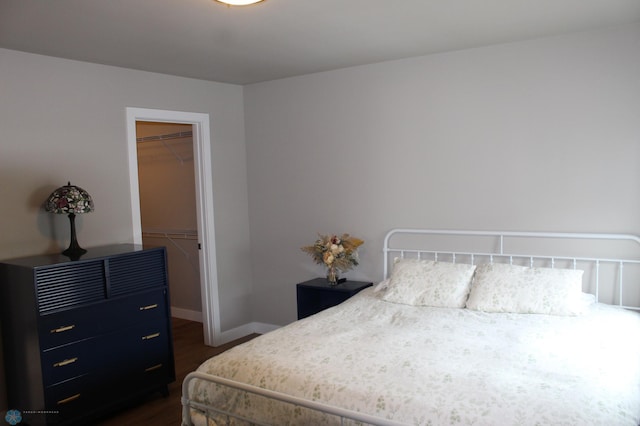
column 281, row 38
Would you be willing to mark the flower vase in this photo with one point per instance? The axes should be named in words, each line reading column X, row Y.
column 332, row 275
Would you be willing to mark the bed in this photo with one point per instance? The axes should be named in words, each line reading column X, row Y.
column 512, row 330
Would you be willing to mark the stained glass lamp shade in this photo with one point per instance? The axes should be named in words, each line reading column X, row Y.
column 70, row 200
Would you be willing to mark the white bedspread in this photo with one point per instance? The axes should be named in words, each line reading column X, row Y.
column 439, row 366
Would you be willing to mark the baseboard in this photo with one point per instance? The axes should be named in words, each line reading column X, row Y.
column 262, row 328
column 186, row 314
column 229, row 335
column 244, row 330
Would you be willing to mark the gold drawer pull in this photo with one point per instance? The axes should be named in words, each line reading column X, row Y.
column 146, row 308
column 62, row 329
column 155, row 367
column 67, row 400
column 150, row 336
column 65, row 362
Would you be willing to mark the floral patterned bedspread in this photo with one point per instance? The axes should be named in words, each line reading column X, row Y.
column 440, row 366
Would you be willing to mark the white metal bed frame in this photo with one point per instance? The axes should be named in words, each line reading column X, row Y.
column 502, row 237
column 389, row 253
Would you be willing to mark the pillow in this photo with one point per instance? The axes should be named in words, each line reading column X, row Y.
column 585, row 303
column 382, row 285
column 428, row 283
column 587, row 299
column 511, row 288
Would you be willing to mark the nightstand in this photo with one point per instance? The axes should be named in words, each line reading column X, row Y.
column 316, row 295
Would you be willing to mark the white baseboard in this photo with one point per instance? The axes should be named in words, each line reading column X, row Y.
column 186, row 314
column 262, row 328
column 244, row 330
column 229, row 335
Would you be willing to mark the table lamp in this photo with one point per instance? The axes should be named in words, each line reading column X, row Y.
column 70, row 200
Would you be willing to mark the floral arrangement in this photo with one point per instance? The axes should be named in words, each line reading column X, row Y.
column 335, row 253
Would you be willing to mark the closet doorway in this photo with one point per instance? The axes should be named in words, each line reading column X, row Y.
column 166, row 180
column 172, row 205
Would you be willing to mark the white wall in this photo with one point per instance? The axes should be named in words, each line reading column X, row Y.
column 63, row 120
column 536, row 135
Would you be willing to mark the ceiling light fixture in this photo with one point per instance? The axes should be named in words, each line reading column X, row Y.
column 239, row 2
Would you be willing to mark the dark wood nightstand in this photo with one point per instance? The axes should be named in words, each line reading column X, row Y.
column 316, row 295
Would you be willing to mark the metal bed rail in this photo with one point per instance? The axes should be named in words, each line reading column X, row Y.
column 341, row 413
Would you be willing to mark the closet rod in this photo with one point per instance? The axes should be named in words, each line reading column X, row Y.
column 163, row 140
column 168, row 136
column 172, row 235
column 183, row 234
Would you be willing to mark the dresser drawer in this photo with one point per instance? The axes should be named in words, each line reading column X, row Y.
column 70, row 399
column 70, row 326
column 113, row 357
column 137, row 271
column 158, row 371
column 144, row 347
column 70, row 361
column 78, row 324
column 148, row 306
column 105, row 368
column 65, row 286
column 141, row 347
column 154, row 353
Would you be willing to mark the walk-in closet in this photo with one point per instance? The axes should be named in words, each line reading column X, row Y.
column 168, row 208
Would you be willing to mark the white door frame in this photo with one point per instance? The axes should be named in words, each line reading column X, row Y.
column 204, row 203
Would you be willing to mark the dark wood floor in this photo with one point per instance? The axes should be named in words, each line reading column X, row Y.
column 190, row 352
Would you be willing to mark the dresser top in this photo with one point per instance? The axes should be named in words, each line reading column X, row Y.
column 58, row 258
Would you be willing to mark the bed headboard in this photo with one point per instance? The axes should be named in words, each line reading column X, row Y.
column 611, row 262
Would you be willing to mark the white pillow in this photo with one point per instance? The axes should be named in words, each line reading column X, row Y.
column 587, row 299
column 511, row 288
column 428, row 283
column 381, row 286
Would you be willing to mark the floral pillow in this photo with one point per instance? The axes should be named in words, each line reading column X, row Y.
column 511, row 288
column 428, row 283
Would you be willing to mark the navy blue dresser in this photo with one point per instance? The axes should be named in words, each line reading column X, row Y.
column 83, row 337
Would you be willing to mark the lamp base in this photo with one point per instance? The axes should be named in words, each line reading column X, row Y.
column 74, row 251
